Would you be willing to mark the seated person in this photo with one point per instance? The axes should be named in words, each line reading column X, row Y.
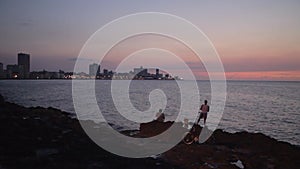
column 160, row 116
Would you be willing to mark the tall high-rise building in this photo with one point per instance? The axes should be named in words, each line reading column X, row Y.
column 157, row 74
column 1, row 67
column 24, row 61
column 94, row 69
column 1, row 71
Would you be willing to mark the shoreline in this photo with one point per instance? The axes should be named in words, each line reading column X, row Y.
column 46, row 138
column 228, row 80
column 39, row 137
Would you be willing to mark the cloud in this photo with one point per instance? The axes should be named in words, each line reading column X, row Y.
column 26, row 23
column 81, row 59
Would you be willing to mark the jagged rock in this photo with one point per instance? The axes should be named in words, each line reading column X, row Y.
column 49, row 138
column 1, row 99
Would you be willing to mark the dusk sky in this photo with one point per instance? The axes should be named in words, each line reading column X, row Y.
column 256, row 39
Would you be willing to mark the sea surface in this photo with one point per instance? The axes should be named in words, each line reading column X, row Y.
column 272, row 108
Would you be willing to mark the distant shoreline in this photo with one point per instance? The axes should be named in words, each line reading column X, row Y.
column 291, row 81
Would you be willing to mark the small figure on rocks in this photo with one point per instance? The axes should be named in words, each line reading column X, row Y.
column 204, row 109
column 160, row 116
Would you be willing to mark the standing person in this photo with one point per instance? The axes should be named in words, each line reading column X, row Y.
column 203, row 111
column 160, row 116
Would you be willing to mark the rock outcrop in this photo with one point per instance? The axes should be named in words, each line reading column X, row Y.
column 47, row 138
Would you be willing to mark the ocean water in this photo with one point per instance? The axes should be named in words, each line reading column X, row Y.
column 272, row 108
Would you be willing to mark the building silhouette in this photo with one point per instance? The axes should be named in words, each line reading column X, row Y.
column 47, row 75
column 158, row 75
column 14, row 71
column 22, row 71
column 24, row 65
column 140, row 72
column 94, row 69
column 2, row 74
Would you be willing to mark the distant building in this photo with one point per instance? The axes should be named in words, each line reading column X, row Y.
column 94, row 69
column 46, row 75
column 140, row 72
column 2, row 75
column 137, row 70
column 106, row 75
column 14, row 71
column 158, row 75
column 167, row 76
column 80, row 75
column 24, row 62
column 105, row 71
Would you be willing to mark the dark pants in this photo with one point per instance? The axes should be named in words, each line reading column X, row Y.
column 202, row 115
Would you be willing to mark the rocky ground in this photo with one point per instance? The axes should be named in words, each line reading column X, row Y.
column 47, row 138
column 226, row 150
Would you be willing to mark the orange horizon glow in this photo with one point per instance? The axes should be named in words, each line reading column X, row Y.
column 265, row 75
column 260, row 75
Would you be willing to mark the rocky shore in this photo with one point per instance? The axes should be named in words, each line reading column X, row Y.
column 47, row 138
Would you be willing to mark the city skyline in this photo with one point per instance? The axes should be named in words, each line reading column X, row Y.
column 21, row 70
column 256, row 40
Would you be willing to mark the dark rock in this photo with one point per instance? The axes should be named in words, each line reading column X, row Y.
column 154, row 128
column 1, row 99
column 223, row 150
column 46, row 152
column 47, row 138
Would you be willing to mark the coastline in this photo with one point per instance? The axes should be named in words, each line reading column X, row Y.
column 39, row 137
